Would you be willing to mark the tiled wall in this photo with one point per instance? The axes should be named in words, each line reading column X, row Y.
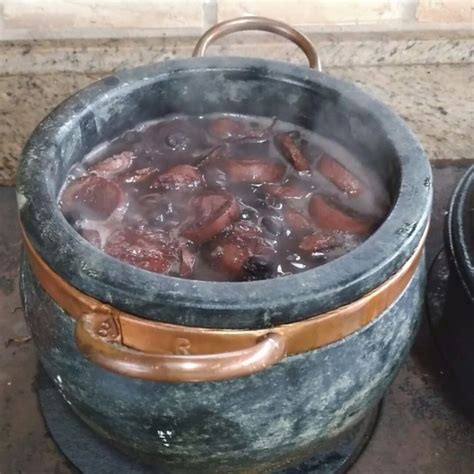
column 31, row 19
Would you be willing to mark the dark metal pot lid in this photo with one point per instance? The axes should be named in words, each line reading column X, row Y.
column 460, row 231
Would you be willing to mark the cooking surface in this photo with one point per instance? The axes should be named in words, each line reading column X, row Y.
column 421, row 429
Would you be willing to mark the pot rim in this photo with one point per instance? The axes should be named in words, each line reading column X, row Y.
column 460, row 249
column 202, row 303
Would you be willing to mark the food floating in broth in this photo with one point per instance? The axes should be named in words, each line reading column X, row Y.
column 223, row 197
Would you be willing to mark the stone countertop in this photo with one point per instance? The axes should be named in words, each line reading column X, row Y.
column 435, row 100
column 421, row 428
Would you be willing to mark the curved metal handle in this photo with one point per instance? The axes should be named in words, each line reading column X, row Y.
column 247, row 23
column 98, row 337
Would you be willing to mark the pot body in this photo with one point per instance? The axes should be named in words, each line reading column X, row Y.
column 250, row 424
column 283, row 413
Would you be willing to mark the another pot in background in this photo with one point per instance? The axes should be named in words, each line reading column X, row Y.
column 457, row 330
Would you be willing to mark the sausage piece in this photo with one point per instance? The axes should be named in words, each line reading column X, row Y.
column 319, row 241
column 339, row 175
column 231, row 251
column 179, row 177
column 152, row 251
column 91, row 196
column 253, row 171
column 211, row 212
column 330, row 215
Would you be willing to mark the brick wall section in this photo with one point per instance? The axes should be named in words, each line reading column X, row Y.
column 31, row 19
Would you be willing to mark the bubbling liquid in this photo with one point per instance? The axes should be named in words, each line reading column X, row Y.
column 223, row 197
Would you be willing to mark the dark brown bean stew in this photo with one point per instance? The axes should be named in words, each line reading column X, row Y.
column 223, row 197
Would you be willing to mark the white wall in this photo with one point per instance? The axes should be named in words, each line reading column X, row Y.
column 31, row 19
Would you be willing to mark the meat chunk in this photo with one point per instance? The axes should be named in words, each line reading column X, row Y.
column 211, row 212
column 152, row 251
column 253, row 171
column 91, row 196
column 285, row 191
column 319, row 241
column 328, row 214
column 113, row 165
column 297, row 221
column 339, row 175
column 225, row 128
column 139, row 176
column 291, row 151
column 231, row 251
column 179, row 177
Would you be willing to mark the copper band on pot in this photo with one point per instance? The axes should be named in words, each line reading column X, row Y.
column 141, row 348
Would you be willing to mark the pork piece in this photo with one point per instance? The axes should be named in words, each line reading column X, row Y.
column 328, row 214
column 285, row 191
column 211, row 212
column 332, row 170
column 92, row 197
column 151, row 250
column 113, row 165
column 183, row 177
column 296, row 221
column 230, row 251
column 288, row 147
column 253, row 171
column 319, row 241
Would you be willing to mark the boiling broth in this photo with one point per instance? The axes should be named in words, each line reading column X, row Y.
column 223, row 197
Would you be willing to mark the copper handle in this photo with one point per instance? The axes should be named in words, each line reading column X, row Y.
column 247, row 23
column 98, row 337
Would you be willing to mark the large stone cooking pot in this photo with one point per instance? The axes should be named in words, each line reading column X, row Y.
column 277, row 404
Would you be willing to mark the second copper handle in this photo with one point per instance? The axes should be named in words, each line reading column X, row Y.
column 102, row 346
column 260, row 23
